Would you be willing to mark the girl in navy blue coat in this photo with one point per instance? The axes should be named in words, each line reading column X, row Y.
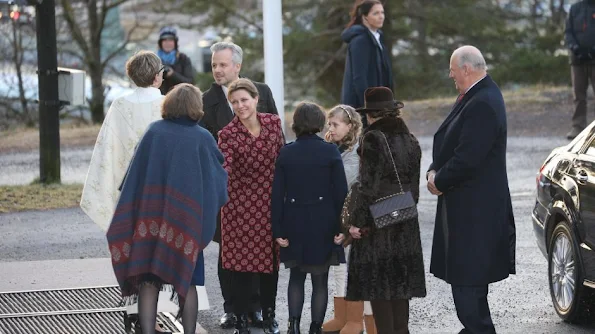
column 309, row 189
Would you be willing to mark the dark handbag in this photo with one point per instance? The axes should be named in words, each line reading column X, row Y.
column 395, row 208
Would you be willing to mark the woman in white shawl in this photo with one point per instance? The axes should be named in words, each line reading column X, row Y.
column 125, row 122
column 344, row 129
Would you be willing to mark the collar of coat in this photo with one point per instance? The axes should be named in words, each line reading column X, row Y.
column 389, row 125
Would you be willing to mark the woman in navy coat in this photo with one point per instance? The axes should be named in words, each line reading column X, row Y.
column 309, row 189
column 368, row 61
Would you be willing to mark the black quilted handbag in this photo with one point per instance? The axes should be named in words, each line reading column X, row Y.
column 396, row 208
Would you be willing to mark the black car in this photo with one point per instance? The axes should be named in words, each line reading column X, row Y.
column 564, row 224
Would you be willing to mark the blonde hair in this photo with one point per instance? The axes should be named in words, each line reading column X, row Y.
column 183, row 100
column 348, row 115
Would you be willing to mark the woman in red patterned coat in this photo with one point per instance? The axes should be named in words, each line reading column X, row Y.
column 250, row 144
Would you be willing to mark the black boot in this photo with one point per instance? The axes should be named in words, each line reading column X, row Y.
column 294, row 326
column 241, row 324
column 315, row 328
column 270, row 324
column 255, row 319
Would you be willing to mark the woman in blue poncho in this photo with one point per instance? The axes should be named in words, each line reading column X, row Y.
column 167, row 210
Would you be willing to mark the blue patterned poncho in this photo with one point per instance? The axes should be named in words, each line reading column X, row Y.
column 167, row 211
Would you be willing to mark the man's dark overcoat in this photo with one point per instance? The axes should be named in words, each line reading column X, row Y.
column 474, row 234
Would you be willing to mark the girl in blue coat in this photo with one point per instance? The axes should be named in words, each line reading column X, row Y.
column 309, row 189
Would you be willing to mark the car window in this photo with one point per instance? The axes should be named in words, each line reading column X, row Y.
column 591, row 148
column 577, row 143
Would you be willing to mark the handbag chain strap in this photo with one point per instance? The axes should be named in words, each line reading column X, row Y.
column 394, row 166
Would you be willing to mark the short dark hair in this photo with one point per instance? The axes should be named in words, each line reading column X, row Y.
column 308, row 118
column 183, row 100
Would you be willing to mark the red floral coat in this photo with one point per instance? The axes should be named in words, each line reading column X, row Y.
column 246, row 233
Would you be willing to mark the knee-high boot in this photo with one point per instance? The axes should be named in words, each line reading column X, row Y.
column 336, row 324
column 370, row 324
column 355, row 317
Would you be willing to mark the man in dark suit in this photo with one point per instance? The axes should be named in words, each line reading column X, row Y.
column 474, row 233
column 226, row 64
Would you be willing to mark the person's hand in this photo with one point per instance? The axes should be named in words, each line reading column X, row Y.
column 431, row 186
column 339, row 238
column 355, row 232
column 283, row 242
column 168, row 72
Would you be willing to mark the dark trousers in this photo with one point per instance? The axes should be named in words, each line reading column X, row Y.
column 391, row 316
column 226, row 284
column 473, row 310
column 581, row 75
column 242, row 297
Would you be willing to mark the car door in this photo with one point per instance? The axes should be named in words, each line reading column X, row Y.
column 583, row 173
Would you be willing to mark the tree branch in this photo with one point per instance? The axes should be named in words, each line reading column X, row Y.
column 119, row 49
column 245, row 18
column 330, row 62
column 75, row 30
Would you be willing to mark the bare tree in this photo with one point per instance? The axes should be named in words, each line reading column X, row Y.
column 86, row 22
column 17, row 41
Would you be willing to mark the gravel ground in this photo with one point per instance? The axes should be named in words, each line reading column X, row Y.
column 520, row 304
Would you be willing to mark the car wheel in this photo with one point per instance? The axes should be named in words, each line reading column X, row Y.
column 565, row 275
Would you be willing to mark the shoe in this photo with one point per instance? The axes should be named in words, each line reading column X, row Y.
column 270, row 324
column 228, row 320
column 158, row 329
column 573, row 133
column 315, row 328
column 294, row 326
column 241, row 325
column 355, row 318
column 255, row 319
column 370, row 324
column 336, row 324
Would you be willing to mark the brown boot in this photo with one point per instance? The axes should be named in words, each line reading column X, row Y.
column 370, row 324
column 355, row 317
column 336, row 324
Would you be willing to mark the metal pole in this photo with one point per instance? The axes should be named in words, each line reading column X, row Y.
column 273, row 53
column 49, row 104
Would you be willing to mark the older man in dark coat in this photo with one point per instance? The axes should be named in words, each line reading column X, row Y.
column 226, row 64
column 474, row 235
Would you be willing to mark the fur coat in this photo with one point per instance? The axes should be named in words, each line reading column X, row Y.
column 385, row 264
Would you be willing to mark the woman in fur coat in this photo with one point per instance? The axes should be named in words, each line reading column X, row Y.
column 344, row 129
column 385, row 265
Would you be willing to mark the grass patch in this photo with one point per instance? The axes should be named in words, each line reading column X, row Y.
column 39, row 197
column 27, row 139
